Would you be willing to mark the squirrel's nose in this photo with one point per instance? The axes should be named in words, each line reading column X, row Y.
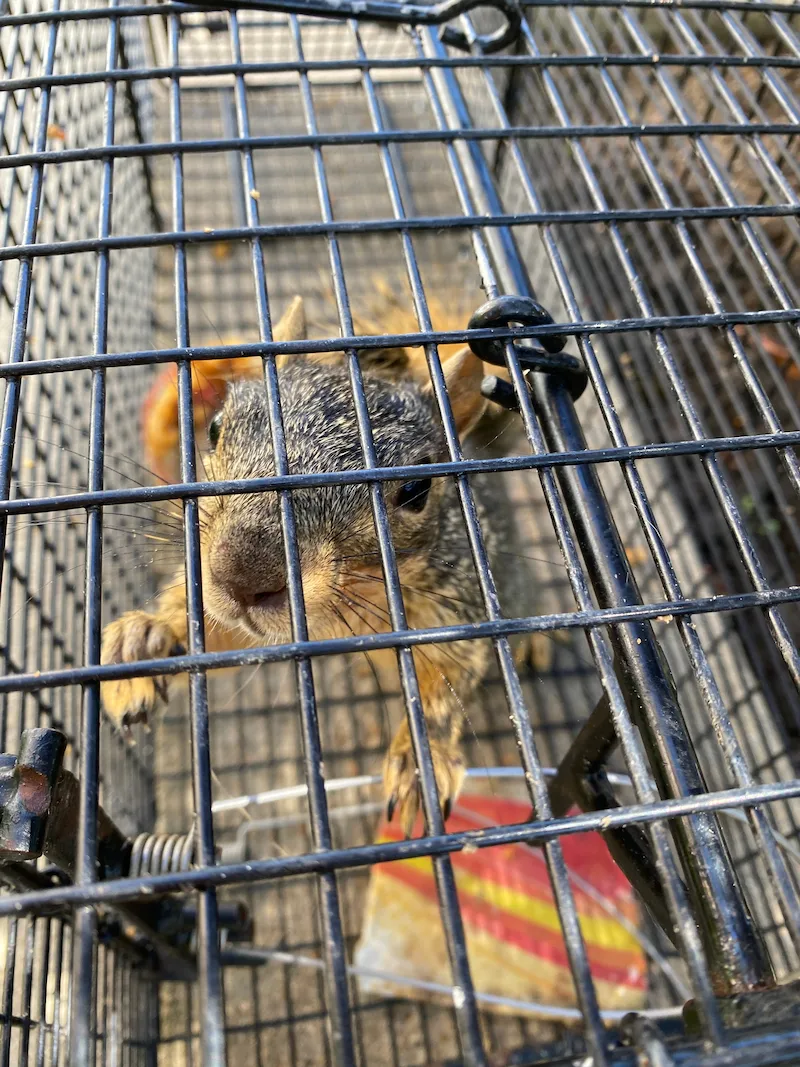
column 248, row 571
column 260, row 598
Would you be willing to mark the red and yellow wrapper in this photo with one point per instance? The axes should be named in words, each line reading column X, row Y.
column 516, row 948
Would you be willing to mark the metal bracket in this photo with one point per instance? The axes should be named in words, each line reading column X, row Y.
column 397, row 15
column 27, row 783
column 39, row 807
column 581, row 780
column 545, row 356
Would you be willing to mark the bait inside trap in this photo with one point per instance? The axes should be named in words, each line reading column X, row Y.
column 630, row 170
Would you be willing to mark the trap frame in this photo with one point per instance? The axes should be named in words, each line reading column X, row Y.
column 630, row 167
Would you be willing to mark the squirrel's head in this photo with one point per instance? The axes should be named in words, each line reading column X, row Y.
column 244, row 568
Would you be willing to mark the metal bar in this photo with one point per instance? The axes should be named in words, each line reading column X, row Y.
column 58, row 963
column 22, row 540
column 465, row 1005
column 610, row 326
column 228, row 112
column 8, row 425
column 581, row 779
column 84, row 995
column 9, row 969
column 444, row 135
column 46, row 927
column 584, row 619
column 84, row 14
column 616, row 454
column 335, row 977
column 50, row 249
column 25, row 1042
column 265, row 870
column 8, row 433
column 212, row 1011
column 689, row 59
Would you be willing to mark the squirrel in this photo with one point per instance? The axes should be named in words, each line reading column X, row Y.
column 243, row 564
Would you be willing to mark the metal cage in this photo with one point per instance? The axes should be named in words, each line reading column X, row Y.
column 170, row 176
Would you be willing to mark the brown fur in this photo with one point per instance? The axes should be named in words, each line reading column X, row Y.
column 243, row 559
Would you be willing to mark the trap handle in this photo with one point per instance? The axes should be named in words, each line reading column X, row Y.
column 400, row 15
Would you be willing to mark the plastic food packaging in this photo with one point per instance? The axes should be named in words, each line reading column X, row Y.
column 513, row 933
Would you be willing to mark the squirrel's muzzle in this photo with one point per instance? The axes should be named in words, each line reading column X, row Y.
column 248, row 566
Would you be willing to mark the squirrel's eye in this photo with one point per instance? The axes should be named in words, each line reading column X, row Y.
column 413, row 496
column 214, row 428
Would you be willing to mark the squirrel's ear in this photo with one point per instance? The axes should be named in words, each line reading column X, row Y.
column 388, row 362
column 463, row 374
column 291, row 326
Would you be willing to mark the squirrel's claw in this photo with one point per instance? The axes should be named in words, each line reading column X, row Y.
column 401, row 782
column 127, row 721
column 135, row 636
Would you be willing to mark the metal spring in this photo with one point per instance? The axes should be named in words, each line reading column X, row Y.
column 161, row 854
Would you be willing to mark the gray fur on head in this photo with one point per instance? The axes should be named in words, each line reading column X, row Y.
column 321, row 434
column 319, row 421
column 242, row 533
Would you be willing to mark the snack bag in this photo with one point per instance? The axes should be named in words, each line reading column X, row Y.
column 513, row 934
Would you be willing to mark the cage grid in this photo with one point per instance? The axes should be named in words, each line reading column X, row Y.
column 172, row 175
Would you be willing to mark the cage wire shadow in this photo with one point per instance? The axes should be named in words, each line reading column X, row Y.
column 170, row 177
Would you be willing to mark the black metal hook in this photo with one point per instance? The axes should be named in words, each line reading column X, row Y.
column 538, row 354
column 398, row 14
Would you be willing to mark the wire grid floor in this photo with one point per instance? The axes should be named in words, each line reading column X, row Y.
column 276, row 1015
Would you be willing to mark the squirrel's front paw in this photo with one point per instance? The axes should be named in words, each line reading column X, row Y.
column 401, row 784
column 136, row 635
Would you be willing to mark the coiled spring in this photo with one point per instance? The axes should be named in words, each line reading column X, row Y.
column 161, row 854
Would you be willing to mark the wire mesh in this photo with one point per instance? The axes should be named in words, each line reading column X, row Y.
column 170, row 177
